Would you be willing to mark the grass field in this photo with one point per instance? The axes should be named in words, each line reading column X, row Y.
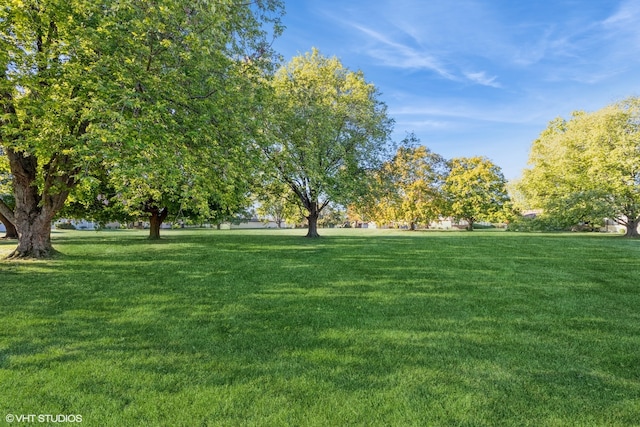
column 361, row 327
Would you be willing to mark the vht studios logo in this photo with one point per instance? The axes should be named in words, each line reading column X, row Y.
column 43, row 418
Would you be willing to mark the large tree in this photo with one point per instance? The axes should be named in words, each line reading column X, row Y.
column 587, row 168
column 130, row 85
column 415, row 176
column 475, row 190
column 327, row 128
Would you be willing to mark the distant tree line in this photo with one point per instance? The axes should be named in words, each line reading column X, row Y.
column 154, row 109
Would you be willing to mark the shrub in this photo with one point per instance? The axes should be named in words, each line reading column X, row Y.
column 539, row 224
column 65, row 226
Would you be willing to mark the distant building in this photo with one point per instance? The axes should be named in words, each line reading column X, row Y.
column 78, row 224
column 253, row 223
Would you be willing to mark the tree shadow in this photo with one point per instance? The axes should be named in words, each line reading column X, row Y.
column 423, row 321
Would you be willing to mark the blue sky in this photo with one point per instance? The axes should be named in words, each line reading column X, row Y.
column 477, row 77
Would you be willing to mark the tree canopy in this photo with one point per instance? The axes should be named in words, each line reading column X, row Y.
column 279, row 203
column 327, row 127
column 155, row 91
column 475, row 190
column 413, row 179
column 587, row 168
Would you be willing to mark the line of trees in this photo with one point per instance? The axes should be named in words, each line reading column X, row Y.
column 150, row 108
column 414, row 188
column 587, row 168
column 417, row 187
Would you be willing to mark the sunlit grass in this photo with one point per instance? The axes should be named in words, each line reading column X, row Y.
column 361, row 327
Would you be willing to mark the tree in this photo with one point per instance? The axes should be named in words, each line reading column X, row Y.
column 6, row 215
column 475, row 190
column 6, row 200
column 587, row 168
column 96, row 200
column 332, row 216
column 278, row 203
column 415, row 176
column 327, row 128
column 11, row 232
column 130, row 85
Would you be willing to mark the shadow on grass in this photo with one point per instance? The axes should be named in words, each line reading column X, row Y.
column 440, row 329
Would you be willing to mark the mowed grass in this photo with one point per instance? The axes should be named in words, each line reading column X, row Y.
column 360, row 327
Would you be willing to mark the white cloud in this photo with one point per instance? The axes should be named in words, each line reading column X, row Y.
column 623, row 28
column 482, row 79
column 421, row 124
column 626, row 16
column 399, row 55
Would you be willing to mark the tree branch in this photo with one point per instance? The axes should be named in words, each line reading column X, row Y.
column 7, row 212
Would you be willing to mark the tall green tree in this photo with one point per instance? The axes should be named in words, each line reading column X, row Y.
column 587, row 168
column 475, row 190
column 142, row 87
column 415, row 176
column 327, row 128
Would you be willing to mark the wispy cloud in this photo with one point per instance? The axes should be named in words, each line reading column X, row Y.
column 625, row 17
column 623, row 29
column 421, row 124
column 580, row 49
column 399, row 55
column 481, row 78
column 454, row 112
column 395, row 54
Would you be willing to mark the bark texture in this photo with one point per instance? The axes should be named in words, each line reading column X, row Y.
column 312, row 220
column 632, row 228
column 35, row 209
column 156, row 218
column 11, row 232
column 470, row 222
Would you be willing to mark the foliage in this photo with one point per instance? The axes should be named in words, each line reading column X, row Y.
column 413, row 178
column 277, row 202
column 588, row 167
column 362, row 328
column 326, row 129
column 518, row 199
column 332, row 216
column 65, row 226
column 540, row 223
column 475, row 190
column 157, row 92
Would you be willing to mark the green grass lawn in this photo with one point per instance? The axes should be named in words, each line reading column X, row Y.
column 361, row 327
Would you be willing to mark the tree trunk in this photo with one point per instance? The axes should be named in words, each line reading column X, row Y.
column 632, row 228
column 33, row 223
column 34, row 240
column 312, row 220
column 156, row 218
column 11, row 232
column 470, row 222
column 34, row 210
